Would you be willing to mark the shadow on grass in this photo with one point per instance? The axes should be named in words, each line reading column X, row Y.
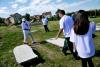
column 43, row 42
column 0, row 37
column 1, row 65
column 97, row 53
column 34, row 62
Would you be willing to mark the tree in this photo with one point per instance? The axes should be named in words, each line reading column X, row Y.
column 1, row 20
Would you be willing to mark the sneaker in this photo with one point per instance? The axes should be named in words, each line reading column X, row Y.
column 25, row 43
column 34, row 42
column 64, row 52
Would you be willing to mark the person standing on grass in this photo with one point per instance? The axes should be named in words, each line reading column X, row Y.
column 66, row 23
column 45, row 23
column 81, row 36
column 26, row 30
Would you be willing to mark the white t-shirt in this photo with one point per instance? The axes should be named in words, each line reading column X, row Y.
column 84, row 43
column 93, row 27
column 66, row 23
column 45, row 21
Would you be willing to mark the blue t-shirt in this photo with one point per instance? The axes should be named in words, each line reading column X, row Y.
column 25, row 25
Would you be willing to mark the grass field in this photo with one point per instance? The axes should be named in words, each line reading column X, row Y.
column 51, row 56
column 97, row 20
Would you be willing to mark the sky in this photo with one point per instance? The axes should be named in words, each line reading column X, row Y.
column 37, row 7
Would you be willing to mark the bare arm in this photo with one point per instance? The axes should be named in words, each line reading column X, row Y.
column 74, row 47
column 60, row 31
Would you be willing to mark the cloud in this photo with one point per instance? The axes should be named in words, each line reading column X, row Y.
column 40, row 6
column 14, row 5
column 35, row 7
column 59, row 1
column 79, row 3
column 46, row 2
column 3, row 10
column 21, row 1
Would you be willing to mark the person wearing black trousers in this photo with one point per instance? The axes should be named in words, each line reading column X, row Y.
column 82, row 38
column 45, row 23
column 66, row 23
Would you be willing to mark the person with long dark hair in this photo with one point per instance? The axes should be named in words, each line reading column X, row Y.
column 81, row 36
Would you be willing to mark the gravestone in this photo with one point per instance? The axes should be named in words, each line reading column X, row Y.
column 98, row 26
column 24, row 53
column 58, row 42
column 34, row 30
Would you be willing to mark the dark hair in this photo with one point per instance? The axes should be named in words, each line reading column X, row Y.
column 61, row 12
column 81, row 24
column 80, row 11
column 43, row 16
column 27, row 17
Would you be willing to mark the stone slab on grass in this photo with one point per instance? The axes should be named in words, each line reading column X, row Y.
column 98, row 28
column 23, row 53
column 58, row 42
column 34, row 30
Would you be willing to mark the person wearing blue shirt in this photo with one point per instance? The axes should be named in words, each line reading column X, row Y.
column 26, row 30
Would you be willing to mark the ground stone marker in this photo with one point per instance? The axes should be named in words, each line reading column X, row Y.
column 98, row 27
column 58, row 42
column 34, row 30
column 23, row 53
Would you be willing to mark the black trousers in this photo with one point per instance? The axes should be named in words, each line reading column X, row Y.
column 46, row 28
column 67, row 45
column 87, row 60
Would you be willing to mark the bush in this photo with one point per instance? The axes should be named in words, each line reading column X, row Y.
column 54, row 18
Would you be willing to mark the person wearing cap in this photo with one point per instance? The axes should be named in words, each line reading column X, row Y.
column 26, row 31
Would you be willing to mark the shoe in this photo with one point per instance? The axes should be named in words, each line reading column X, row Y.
column 75, row 55
column 34, row 42
column 25, row 43
column 64, row 52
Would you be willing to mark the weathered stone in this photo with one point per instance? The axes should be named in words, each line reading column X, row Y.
column 58, row 42
column 24, row 53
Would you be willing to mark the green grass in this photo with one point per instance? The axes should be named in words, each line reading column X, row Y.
column 96, row 20
column 12, row 36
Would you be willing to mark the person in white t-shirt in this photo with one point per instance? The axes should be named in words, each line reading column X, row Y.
column 81, row 36
column 45, row 23
column 66, row 23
